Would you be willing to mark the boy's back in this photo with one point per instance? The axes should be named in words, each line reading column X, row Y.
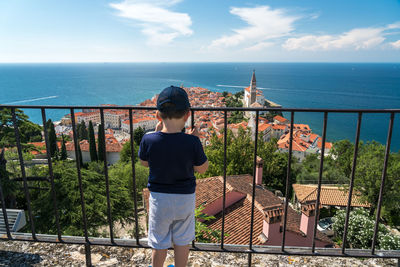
column 171, row 157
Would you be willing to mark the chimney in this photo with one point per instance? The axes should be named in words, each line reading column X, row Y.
column 272, row 222
column 307, row 217
column 259, row 170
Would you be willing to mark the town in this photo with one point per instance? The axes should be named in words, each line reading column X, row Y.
column 208, row 122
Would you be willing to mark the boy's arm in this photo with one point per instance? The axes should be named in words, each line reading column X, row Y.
column 144, row 163
column 202, row 168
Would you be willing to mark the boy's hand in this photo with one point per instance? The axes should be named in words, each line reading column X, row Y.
column 194, row 131
column 159, row 126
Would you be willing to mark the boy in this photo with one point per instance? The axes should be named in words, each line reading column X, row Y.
column 172, row 156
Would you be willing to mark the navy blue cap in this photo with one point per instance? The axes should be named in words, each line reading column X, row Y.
column 174, row 95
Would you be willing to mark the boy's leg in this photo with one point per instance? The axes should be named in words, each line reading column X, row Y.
column 158, row 257
column 181, row 255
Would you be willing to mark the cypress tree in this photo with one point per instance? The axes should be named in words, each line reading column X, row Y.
column 63, row 155
column 80, row 156
column 82, row 131
column 138, row 134
column 52, row 140
column 92, row 143
column 100, row 142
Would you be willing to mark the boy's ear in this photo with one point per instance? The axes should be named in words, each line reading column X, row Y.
column 158, row 115
column 187, row 115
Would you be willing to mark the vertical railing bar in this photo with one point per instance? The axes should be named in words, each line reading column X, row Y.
column 110, row 221
column 134, row 177
column 192, row 125
column 224, row 189
column 4, row 210
column 78, row 169
column 21, row 162
column 50, row 164
column 253, row 199
column 353, row 171
column 88, row 255
column 249, row 260
column 288, row 173
column 387, row 153
column 321, row 167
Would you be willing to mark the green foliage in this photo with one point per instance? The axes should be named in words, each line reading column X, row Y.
column 235, row 101
column 138, row 134
column 100, row 143
column 343, row 151
column 29, row 131
column 123, row 171
column 368, row 179
column 125, row 155
column 82, row 131
column 8, row 187
column 92, row 143
column 240, row 157
column 63, row 154
column 204, row 234
column 52, row 140
column 361, row 230
column 309, row 171
column 68, row 200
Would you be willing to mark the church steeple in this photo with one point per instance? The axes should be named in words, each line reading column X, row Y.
column 253, row 88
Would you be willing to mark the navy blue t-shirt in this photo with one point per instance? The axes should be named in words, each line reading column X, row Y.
column 171, row 157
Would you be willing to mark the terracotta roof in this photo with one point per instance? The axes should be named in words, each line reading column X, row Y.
column 330, row 195
column 280, row 119
column 84, row 144
column 238, row 215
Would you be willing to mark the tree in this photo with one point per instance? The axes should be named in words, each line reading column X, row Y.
column 63, row 154
column 8, row 187
column 29, row 131
column 125, row 155
column 361, row 230
column 343, row 151
column 92, row 143
column 309, row 171
column 100, row 143
column 52, row 140
column 69, row 205
column 240, row 156
column 82, row 131
column 80, row 156
column 368, row 179
column 138, row 133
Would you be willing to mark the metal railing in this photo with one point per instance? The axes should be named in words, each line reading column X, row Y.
column 250, row 249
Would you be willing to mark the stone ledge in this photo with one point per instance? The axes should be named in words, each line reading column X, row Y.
column 45, row 254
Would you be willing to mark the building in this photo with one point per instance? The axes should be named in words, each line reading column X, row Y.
column 268, row 212
column 336, row 196
column 112, row 151
column 147, row 123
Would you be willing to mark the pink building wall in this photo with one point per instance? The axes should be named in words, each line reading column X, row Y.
column 216, row 206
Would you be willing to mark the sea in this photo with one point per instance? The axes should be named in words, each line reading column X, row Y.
column 292, row 85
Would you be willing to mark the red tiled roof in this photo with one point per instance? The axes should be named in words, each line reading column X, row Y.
column 238, row 215
column 330, row 195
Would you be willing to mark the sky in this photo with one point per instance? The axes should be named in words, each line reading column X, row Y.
column 199, row 31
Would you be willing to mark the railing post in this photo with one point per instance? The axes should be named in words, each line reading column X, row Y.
column 287, row 180
column 385, row 164
column 88, row 255
column 134, row 177
column 353, row 171
column 224, row 190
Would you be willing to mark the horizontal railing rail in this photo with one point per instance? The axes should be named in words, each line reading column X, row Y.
column 222, row 247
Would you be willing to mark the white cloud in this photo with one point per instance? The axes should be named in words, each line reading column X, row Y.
column 360, row 38
column 259, row 46
column 264, row 24
column 161, row 25
column 396, row 44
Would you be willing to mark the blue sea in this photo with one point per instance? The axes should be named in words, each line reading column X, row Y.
column 293, row 85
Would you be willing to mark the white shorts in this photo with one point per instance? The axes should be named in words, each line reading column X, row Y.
column 171, row 219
